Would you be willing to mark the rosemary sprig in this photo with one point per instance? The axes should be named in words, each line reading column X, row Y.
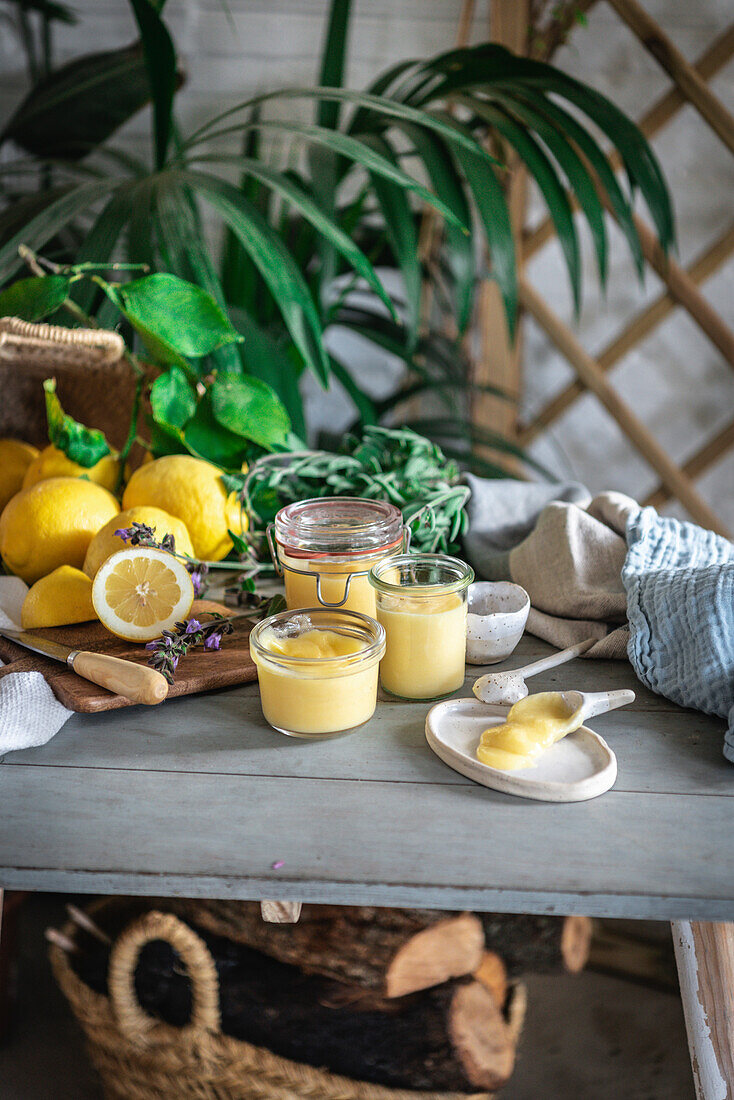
column 393, row 464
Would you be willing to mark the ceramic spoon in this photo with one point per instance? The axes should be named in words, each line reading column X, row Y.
column 506, row 688
column 587, row 704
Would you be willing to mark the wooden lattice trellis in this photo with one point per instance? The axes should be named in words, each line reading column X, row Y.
column 499, row 363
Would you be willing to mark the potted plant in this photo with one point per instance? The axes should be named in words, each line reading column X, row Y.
column 299, row 240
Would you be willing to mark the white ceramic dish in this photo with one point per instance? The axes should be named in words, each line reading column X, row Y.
column 496, row 615
column 579, row 767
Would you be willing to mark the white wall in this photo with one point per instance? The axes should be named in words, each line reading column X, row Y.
column 675, row 380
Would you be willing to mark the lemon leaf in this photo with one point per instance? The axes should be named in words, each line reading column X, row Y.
column 79, row 443
column 173, row 317
column 172, row 398
column 35, row 298
column 250, row 408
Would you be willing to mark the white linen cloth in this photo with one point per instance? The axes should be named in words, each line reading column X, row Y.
column 30, row 713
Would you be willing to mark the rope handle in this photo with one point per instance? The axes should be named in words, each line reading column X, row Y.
column 102, row 345
column 133, row 1021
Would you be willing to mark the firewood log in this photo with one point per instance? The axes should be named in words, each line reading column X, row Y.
column 393, row 952
column 538, row 943
column 452, row 1038
column 492, row 974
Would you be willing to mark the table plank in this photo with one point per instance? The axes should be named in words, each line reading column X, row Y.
column 659, row 746
column 200, row 797
column 367, row 842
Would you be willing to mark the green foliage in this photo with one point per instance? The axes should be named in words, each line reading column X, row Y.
column 160, row 63
column 249, row 408
column 69, row 113
column 299, row 240
column 35, row 298
column 175, row 319
column 386, row 464
column 83, row 445
column 222, row 421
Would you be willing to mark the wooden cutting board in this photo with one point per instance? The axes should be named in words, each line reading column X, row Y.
column 201, row 670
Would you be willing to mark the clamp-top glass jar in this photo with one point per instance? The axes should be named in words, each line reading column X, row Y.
column 326, row 546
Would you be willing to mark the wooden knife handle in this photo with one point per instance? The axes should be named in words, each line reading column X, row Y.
column 138, row 683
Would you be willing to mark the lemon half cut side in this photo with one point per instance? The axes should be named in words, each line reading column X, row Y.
column 140, row 592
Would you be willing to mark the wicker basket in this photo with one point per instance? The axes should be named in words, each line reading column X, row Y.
column 94, row 383
column 140, row 1058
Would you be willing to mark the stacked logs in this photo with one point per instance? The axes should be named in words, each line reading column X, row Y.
column 399, row 997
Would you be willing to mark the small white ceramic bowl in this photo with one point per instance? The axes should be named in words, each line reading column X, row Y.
column 497, row 613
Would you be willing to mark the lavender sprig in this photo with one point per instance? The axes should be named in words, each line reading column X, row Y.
column 140, row 534
column 172, row 645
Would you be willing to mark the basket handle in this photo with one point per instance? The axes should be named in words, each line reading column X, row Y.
column 132, row 1020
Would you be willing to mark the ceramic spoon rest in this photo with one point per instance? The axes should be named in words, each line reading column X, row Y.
column 579, row 767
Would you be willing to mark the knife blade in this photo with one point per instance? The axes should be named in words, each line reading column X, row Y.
column 138, row 683
column 44, row 646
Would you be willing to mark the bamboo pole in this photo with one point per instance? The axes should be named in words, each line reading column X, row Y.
column 636, row 331
column 685, row 291
column 715, row 449
column 565, row 16
column 499, row 359
column 595, row 380
column 690, row 83
column 662, row 111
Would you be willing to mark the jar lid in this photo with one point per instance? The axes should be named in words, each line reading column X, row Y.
column 339, row 525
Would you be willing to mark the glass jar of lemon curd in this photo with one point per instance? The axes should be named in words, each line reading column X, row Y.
column 326, row 546
column 421, row 603
column 318, row 670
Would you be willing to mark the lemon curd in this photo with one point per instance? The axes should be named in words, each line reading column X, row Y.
column 328, row 580
column 326, row 546
column 532, row 726
column 317, row 670
column 421, row 603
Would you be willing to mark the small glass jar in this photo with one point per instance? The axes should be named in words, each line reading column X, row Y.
column 421, row 603
column 317, row 696
column 326, row 546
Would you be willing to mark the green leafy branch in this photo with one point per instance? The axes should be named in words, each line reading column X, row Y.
column 394, row 464
column 224, row 419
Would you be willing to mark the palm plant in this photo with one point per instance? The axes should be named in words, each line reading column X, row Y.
column 299, row 241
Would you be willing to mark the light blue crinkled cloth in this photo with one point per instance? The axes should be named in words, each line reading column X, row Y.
column 679, row 581
column 676, row 588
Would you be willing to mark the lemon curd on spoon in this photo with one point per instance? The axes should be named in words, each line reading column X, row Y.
column 532, row 726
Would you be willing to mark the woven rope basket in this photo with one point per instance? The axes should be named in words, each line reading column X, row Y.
column 141, row 1058
column 94, row 383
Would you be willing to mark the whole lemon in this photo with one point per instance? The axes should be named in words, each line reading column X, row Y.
column 15, row 458
column 106, row 542
column 192, row 490
column 52, row 524
column 64, row 596
column 53, row 463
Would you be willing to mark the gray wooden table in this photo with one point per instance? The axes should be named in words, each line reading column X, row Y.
column 200, row 798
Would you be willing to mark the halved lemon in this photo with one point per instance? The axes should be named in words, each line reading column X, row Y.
column 140, row 592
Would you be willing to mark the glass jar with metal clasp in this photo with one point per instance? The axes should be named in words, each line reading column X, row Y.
column 325, row 547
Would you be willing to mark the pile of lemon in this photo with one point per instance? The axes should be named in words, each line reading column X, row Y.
column 57, row 533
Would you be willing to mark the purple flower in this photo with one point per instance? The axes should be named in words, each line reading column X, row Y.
column 196, row 579
column 192, row 626
column 213, row 641
column 124, row 533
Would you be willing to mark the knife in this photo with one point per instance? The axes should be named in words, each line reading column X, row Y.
column 138, row 683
